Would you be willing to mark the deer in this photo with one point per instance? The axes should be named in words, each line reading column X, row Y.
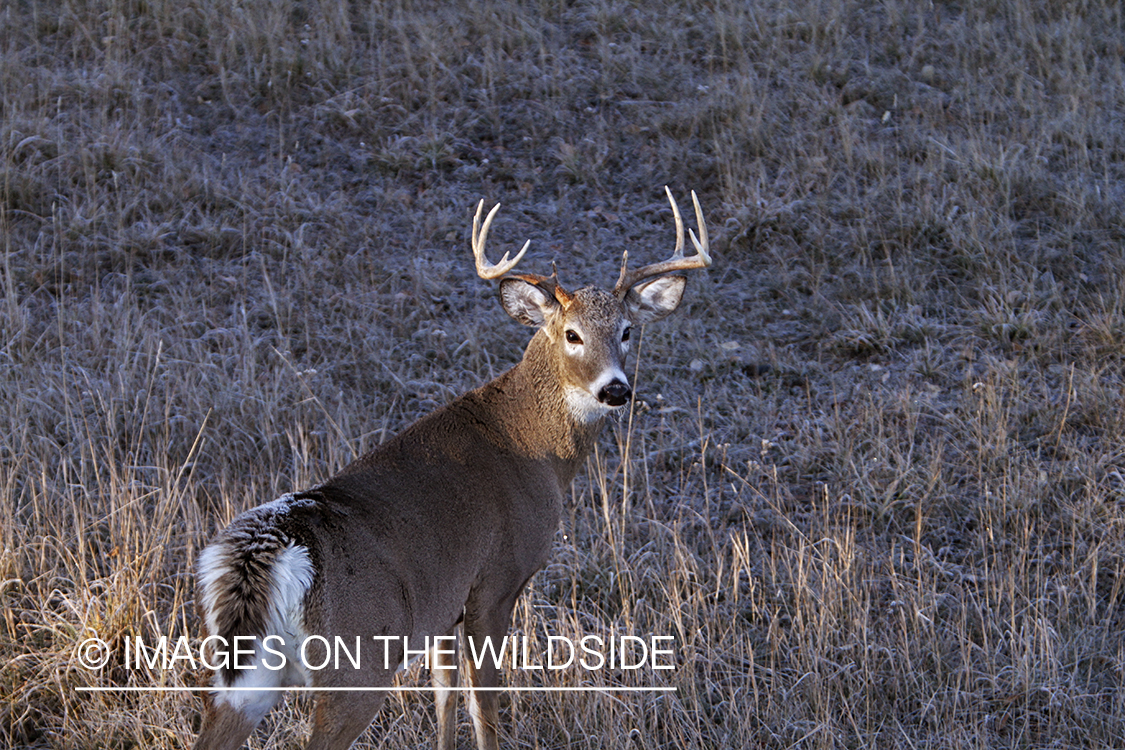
column 440, row 528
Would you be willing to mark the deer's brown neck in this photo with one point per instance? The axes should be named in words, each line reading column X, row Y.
column 528, row 409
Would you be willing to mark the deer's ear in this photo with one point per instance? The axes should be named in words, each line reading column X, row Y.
column 652, row 300
column 527, row 303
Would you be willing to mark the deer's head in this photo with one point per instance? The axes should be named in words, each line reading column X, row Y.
column 589, row 331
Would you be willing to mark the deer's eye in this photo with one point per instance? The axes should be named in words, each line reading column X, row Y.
column 625, row 333
column 572, row 337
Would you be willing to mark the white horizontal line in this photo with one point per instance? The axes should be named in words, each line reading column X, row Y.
column 131, row 689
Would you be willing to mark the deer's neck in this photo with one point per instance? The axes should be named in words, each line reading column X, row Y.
column 530, row 409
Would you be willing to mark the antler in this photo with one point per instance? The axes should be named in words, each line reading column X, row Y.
column 485, row 269
column 677, row 262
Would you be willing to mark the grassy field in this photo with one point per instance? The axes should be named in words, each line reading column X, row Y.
column 874, row 479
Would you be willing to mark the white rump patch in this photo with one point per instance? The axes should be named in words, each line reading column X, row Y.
column 253, row 704
column 292, row 575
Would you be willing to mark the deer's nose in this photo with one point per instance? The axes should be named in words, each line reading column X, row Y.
column 615, row 393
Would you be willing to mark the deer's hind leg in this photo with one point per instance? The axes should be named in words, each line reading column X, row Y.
column 443, row 672
column 339, row 718
column 227, row 724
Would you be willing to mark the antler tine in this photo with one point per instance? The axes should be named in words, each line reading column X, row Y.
column 679, row 251
column 677, row 262
column 624, row 272
column 485, row 269
column 702, row 245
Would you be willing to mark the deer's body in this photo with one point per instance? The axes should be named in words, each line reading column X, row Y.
column 441, row 526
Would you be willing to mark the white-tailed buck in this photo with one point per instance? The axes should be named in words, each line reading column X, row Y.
column 441, row 526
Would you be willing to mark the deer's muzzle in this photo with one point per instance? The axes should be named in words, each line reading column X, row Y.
column 615, row 393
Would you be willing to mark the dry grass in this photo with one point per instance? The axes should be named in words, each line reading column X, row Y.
column 874, row 485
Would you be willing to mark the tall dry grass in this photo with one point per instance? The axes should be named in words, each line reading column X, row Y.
column 873, row 482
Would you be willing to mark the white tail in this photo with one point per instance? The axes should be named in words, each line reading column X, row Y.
column 441, row 526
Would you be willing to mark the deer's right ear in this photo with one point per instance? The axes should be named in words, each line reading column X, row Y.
column 527, row 303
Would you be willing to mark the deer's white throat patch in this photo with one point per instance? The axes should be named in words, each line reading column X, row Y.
column 583, row 406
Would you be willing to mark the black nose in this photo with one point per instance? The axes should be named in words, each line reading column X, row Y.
column 615, row 394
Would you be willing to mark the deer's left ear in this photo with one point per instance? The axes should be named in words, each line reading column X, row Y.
column 652, row 300
column 527, row 303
